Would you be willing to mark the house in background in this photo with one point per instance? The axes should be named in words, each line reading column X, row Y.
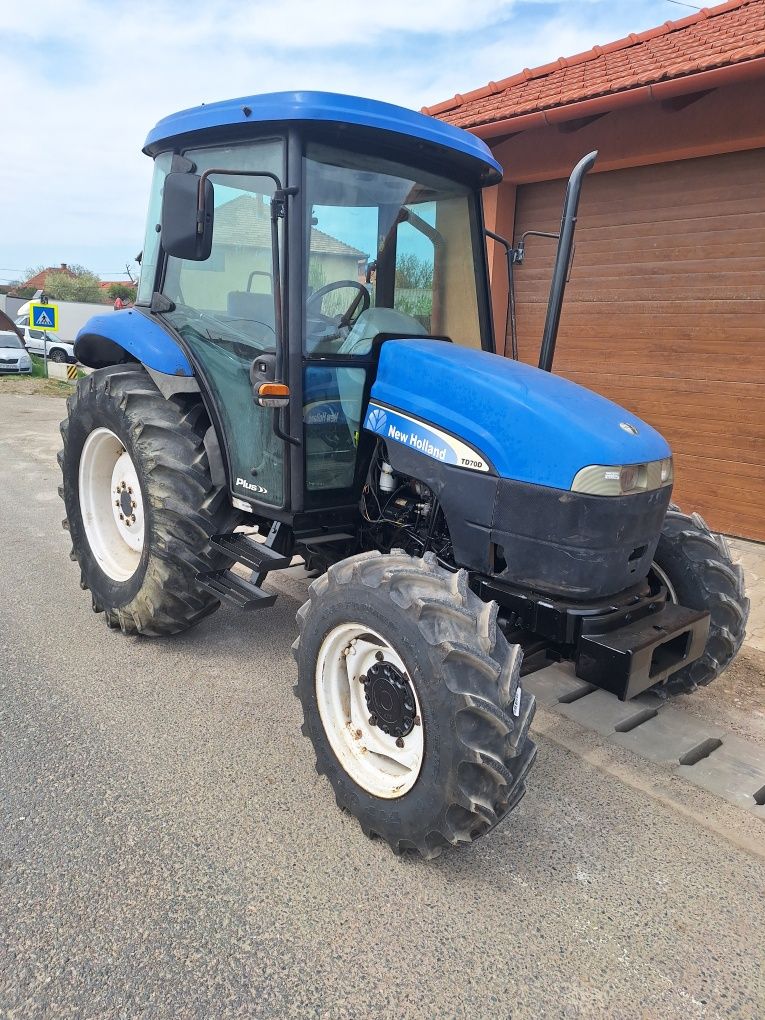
column 665, row 309
column 39, row 280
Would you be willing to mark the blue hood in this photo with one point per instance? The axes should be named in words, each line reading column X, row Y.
column 530, row 425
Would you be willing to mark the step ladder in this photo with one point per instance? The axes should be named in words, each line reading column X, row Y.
column 260, row 557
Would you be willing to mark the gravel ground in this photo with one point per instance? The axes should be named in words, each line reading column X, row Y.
column 167, row 850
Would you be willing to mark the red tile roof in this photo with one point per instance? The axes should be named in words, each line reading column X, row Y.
column 38, row 281
column 716, row 37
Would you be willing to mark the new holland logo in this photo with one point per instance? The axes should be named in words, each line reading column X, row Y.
column 397, row 427
column 244, row 484
column 377, row 420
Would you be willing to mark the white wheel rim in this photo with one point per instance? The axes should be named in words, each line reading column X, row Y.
column 665, row 581
column 111, row 504
column 371, row 757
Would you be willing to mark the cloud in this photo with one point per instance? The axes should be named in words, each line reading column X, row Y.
column 82, row 83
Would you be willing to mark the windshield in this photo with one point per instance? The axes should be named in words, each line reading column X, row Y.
column 8, row 340
column 390, row 249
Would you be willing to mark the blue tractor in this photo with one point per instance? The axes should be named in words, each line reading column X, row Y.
column 309, row 376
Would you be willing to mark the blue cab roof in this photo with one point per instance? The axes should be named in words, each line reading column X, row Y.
column 321, row 106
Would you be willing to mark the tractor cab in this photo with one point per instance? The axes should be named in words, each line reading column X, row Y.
column 285, row 249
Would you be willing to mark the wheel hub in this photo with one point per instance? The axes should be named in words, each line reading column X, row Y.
column 390, row 699
column 126, row 503
column 111, row 504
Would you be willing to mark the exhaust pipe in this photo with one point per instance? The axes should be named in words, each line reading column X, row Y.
column 563, row 260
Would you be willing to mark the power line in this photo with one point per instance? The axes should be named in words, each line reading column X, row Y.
column 98, row 272
column 680, row 3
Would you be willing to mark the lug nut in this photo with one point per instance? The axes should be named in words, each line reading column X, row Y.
column 122, row 517
column 379, row 656
column 116, row 502
column 133, row 518
column 130, row 491
column 373, row 720
column 363, row 678
column 400, row 742
column 417, row 721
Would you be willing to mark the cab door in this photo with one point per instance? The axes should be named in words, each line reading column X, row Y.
column 224, row 310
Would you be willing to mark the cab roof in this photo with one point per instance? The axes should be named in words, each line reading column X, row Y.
column 329, row 107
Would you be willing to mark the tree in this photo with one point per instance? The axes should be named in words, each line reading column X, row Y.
column 120, row 290
column 413, row 272
column 82, row 285
column 414, row 286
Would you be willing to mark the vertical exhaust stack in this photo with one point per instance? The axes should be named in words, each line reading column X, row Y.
column 563, row 259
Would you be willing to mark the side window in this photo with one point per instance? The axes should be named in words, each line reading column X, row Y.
column 150, row 255
column 36, row 334
column 415, row 269
column 233, row 287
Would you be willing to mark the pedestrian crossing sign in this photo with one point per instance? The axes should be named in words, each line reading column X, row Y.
column 43, row 316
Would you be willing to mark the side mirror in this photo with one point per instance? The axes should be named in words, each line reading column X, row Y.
column 187, row 225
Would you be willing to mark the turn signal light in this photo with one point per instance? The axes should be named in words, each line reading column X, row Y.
column 273, row 394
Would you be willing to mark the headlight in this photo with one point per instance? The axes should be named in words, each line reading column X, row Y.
column 623, row 479
column 25, row 360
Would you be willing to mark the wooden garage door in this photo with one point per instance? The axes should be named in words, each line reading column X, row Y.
column 665, row 314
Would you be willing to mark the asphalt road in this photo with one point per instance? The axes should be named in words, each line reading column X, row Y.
column 167, row 850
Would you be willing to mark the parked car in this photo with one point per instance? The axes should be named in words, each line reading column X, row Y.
column 58, row 349
column 13, row 358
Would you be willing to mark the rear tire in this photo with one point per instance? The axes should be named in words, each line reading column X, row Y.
column 144, row 587
column 470, row 752
column 697, row 567
column 58, row 356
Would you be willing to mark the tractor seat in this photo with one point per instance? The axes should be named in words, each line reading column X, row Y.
column 243, row 304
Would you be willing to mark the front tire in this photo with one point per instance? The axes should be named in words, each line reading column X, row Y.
column 140, row 503
column 696, row 566
column 411, row 699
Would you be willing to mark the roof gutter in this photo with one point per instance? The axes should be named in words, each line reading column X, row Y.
column 730, row 74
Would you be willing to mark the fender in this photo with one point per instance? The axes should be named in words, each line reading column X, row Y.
column 129, row 335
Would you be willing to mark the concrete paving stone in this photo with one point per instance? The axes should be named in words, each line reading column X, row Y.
column 668, row 736
column 735, row 771
column 554, row 682
column 751, row 556
column 603, row 712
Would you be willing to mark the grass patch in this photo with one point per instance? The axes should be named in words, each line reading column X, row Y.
column 36, row 383
column 38, row 367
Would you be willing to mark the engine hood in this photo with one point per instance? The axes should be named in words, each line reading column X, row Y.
column 529, row 425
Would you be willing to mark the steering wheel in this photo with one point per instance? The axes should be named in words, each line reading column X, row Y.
column 345, row 319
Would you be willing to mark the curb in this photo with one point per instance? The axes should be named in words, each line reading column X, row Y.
column 717, row 761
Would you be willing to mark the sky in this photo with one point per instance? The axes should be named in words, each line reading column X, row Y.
column 82, row 82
